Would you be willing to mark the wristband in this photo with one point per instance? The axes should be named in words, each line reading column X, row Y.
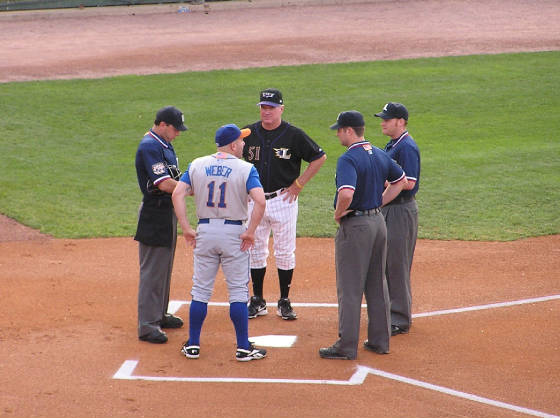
column 298, row 184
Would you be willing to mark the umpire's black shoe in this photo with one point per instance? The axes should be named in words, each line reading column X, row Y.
column 374, row 348
column 171, row 321
column 396, row 330
column 333, row 353
column 155, row 337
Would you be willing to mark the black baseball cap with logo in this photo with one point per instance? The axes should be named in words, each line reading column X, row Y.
column 271, row 97
column 172, row 116
column 393, row 110
column 349, row 118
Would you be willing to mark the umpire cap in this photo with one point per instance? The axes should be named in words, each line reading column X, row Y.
column 351, row 118
column 393, row 110
column 172, row 116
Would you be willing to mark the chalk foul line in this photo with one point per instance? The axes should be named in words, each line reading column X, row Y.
column 175, row 305
column 126, row 371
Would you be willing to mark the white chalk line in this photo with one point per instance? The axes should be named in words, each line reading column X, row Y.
column 175, row 305
column 125, row 372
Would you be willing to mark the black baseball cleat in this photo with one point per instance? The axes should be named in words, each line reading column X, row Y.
column 374, row 348
column 171, row 321
column 154, row 337
column 396, row 330
column 285, row 309
column 256, row 307
column 333, row 353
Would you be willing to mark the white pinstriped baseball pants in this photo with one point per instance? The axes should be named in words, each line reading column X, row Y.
column 280, row 217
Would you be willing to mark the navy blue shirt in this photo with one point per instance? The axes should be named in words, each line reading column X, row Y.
column 406, row 153
column 153, row 157
column 364, row 169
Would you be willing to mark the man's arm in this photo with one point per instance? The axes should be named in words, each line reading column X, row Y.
column 312, row 169
column 181, row 191
column 343, row 201
column 248, row 237
column 393, row 190
column 167, row 185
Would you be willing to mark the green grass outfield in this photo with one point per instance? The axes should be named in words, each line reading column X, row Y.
column 487, row 126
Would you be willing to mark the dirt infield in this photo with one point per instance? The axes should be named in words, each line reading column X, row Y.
column 68, row 317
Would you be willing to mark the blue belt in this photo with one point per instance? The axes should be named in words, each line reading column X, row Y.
column 226, row 221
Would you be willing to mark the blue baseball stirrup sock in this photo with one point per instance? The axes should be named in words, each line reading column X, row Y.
column 197, row 315
column 239, row 316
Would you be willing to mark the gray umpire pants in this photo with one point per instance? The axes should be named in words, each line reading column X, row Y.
column 402, row 231
column 156, row 266
column 360, row 255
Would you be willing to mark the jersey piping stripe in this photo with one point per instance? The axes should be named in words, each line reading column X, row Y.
column 161, row 141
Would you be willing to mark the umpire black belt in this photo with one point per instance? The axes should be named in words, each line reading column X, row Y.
column 226, row 221
column 368, row 212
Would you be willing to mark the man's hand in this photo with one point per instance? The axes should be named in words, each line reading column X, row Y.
column 190, row 236
column 247, row 240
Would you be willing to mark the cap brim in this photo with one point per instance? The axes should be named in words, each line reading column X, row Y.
column 245, row 133
column 335, row 126
column 180, row 128
column 269, row 104
column 383, row 115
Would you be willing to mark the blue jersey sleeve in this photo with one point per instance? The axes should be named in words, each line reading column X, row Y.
column 253, row 180
column 346, row 174
column 396, row 172
column 185, row 177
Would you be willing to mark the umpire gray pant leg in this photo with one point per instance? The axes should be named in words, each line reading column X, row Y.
column 376, row 291
column 156, row 267
column 402, row 231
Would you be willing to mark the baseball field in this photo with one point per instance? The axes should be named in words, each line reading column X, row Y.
column 78, row 88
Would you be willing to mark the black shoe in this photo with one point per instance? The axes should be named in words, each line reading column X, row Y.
column 285, row 309
column 171, row 321
column 332, row 353
column 155, row 337
column 396, row 330
column 374, row 348
column 256, row 307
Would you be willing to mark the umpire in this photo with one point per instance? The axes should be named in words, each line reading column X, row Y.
column 360, row 242
column 157, row 169
column 401, row 215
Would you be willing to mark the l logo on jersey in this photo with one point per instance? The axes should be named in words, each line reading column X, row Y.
column 158, row 168
column 283, row 153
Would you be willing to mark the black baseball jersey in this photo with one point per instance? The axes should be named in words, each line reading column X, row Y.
column 277, row 154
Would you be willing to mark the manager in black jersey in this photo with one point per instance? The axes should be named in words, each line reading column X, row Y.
column 277, row 149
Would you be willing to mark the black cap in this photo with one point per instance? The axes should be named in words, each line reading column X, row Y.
column 172, row 116
column 393, row 111
column 271, row 97
column 351, row 118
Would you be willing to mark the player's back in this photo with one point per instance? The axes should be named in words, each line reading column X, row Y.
column 219, row 182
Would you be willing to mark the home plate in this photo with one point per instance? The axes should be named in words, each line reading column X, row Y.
column 274, row 340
